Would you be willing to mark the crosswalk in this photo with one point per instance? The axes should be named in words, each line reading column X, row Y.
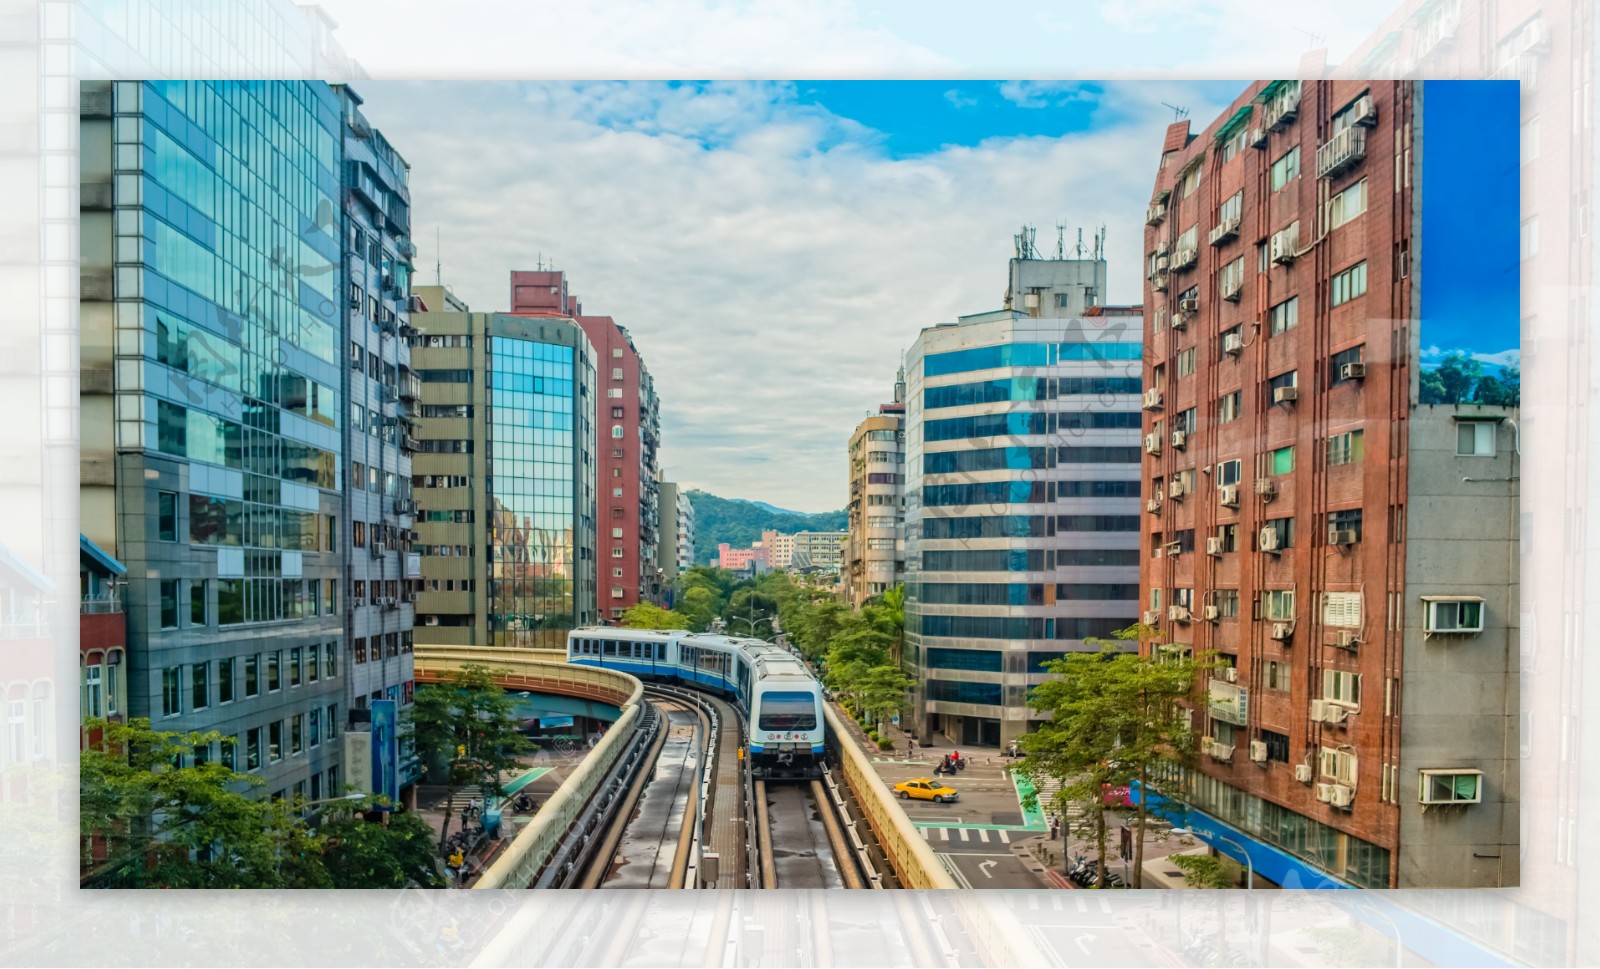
column 1081, row 902
column 1072, row 813
column 979, row 835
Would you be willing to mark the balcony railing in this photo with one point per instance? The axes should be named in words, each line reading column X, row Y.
column 100, row 605
column 1342, row 151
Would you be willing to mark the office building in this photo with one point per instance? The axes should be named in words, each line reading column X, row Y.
column 1331, row 507
column 382, row 571
column 503, row 475
column 816, row 551
column 628, row 461
column 875, row 543
column 753, row 559
column 212, row 365
column 1022, row 495
column 676, row 553
column 779, row 547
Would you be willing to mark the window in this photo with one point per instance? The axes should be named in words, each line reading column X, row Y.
column 1277, row 605
column 1345, row 521
column 93, row 704
column 1277, row 676
column 616, row 432
column 1338, row 764
column 312, row 664
column 166, row 516
column 616, row 373
column 197, row 602
column 330, row 658
column 1229, row 536
column 616, row 553
column 1336, row 372
column 252, row 749
column 1229, row 472
column 1280, row 460
column 1232, row 209
column 1227, row 602
column 616, row 413
column 1188, row 238
column 616, row 533
column 359, row 534
column 1277, row 746
column 615, row 393
column 616, row 592
column 1347, row 204
column 1186, row 420
column 274, row 741
column 1263, row 257
column 229, row 747
column 171, row 692
column 1347, row 285
column 1186, row 362
column 294, row 666
column 1475, row 439
column 273, row 660
column 1452, row 615
column 1341, row 609
column 1346, row 448
column 297, row 734
column 1191, row 178
column 1230, row 279
column 224, row 681
column 1228, row 408
column 169, row 603
column 1342, row 688
column 200, row 683
column 252, row 675
column 616, row 353
column 1450, row 786
column 1286, row 314
column 313, row 728
column 1286, row 168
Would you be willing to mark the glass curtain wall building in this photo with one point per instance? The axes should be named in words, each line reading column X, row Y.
column 504, row 476
column 213, row 416
column 383, row 571
column 1022, row 496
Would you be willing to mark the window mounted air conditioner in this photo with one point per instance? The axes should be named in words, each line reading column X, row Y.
column 379, row 549
column 1302, row 773
column 1213, row 547
column 1189, row 304
column 1153, row 506
column 1151, row 617
column 1174, row 548
column 1229, row 495
column 430, row 620
column 1281, row 248
column 1283, row 395
column 1266, row 488
column 1186, row 257
column 1341, row 536
column 1364, row 112
column 1347, row 639
column 1178, row 439
column 1258, row 751
column 1176, row 489
column 1152, row 399
column 1324, row 792
column 1352, row 371
column 1152, row 444
column 1258, row 137
column 1282, row 631
column 1233, row 344
column 1269, row 539
column 1340, row 795
column 1212, row 613
column 1178, row 613
column 1231, row 674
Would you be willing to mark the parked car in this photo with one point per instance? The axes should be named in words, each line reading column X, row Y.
column 925, row 789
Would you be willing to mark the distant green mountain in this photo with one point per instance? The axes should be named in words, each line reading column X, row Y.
column 739, row 523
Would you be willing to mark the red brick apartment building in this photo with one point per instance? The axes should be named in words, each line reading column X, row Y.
column 1340, row 536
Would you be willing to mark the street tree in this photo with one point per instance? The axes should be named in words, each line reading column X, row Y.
column 647, row 615
column 470, row 725
column 401, row 853
column 882, row 691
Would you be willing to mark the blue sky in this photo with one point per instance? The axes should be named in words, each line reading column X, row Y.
column 1471, row 211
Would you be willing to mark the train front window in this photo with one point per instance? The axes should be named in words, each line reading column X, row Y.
column 788, row 711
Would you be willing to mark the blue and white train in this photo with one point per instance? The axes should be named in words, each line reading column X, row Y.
column 780, row 699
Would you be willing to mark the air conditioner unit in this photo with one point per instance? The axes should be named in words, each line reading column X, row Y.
column 1181, row 613
column 1364, row 112
column 1340, row 795
column 1281, row 631
column 1283, row 395
column 1180, row 321
column 1155, row 213
column 1347, row 639
column 1186, row 257
column 1258, row 751
column 1267, row 488
column 1152, row 399
column 411, row 597
column 1163, row 263
column 1153, row 505
column 1536, row 39
column 1174, row 548
column 1220, row 751
column 1189, row 304
column 1151, row 617
column 1232, row 344
column 1213, row 547
column 1178, row 439
column 1158, row 282
column 1030, row 301
column 1269, row 539
column 1176, row 489
column 1281, row 248
column 1324, row 792
column 430, row 620
column 1152, row 444
column 1231, row 674
column 1229, row 495
column 1233, row 290
column 1223, row 231
column 1352, row 371
column 1334, row 713
column 1317, row 710
column 1302, row 773
column 1258, row 137
column 379, row 550
column 1341, row 536
column 1212, row 613
column 387, row 602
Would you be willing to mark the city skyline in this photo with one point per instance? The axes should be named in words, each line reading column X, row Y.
column 757, row 229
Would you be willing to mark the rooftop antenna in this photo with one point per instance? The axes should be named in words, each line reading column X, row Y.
column 1061, row 240
column 1100, row 244
column 1024, row 243
column 1178, row 113
column 1078, row 249
column 1313, row 40
column 438, row 259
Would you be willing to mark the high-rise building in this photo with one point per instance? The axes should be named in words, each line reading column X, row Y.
column 213, row 343
column 503, row 475
column 822, row 551
column 382, row 571
column 629, row 420
column 875, row 546
column 1332, row 498
column 779, row 546
column 1022, row 496
column 676, row 553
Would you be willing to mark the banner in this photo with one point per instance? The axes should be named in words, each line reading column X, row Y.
column 386, row 750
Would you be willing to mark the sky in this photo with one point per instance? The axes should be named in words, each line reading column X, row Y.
column 773, row 247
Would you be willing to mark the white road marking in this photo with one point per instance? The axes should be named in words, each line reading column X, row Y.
column 965, row 834
column 1083, row 905
column 983, row 835
column 944, row 834
column 1005, row 837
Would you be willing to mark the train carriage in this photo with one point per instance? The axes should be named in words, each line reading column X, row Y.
column 779, row 697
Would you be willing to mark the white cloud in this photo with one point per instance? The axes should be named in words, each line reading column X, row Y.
column 959, row 100
column 1044, row 94
column 773, row 281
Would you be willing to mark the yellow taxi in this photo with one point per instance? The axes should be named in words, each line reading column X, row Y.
column 925, row 789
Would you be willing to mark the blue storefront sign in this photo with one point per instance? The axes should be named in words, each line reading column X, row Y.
column 386, row 749
column 555, row 721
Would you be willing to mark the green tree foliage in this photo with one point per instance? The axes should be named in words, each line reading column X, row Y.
column 739, row 523
column 1206, row 871
column 646, row 615
column 470, row 725
column 1116, row 718
column 147, row 820
column 1459, row 379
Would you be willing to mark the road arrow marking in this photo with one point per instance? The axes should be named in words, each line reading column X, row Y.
column 1087, row 935
column 984, row 867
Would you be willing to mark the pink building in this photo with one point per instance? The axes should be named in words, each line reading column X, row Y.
column 735, row 559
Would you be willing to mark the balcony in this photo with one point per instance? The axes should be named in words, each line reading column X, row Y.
column 100, row 605
column 1186, row 257
column 1154, row 215
column 1225, row 231
column 1342, row 152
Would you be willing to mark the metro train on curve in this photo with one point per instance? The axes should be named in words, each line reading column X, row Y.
column 779, row 697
